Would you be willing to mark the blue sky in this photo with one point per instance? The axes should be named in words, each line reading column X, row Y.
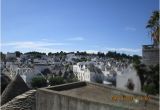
column 76, row 25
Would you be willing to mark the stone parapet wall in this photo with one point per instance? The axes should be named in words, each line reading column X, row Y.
column 25, row 101
column 47, row 101
column 90, row 98
column 150, row 56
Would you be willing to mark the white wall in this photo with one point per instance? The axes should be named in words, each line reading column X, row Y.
column 122, row 80
column 82, row 74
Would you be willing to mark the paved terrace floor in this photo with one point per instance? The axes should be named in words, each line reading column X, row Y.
column 104, row 95
column 90, row 92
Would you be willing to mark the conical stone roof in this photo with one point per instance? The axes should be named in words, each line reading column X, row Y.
column 5, row 80
column 16, row 87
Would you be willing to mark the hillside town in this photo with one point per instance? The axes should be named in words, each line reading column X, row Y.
column 83, row 67
column 79, row 55
column 25, row 72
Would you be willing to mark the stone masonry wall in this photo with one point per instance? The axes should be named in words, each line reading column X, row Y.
column 25, row 101
column 47, row 101
column 150, row 56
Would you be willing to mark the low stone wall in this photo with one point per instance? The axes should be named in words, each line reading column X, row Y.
column 53, row 101
column 52, row 98
column 25, row 101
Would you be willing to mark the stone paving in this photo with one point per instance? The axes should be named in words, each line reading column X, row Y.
column 25, row 101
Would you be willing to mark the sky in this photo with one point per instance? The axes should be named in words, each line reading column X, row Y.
column 76, row 25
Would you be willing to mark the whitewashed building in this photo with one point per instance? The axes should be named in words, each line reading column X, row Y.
column 26, row 73
column 40, row 61
column 10, row 55
column 87, row 72
column 128, row 74
column 70, row 57
column 81, row 71
column 40, row 67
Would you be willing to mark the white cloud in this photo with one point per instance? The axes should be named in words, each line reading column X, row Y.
column 129, row 51
column 44, row 39
column 76, row 39
column 26, row 44
column 47, row 50
column 124, row 49
column 130, row 28
column 44, row 46
column 91, row 51
column 33, row 46
column 95, row 46
column 121, row 50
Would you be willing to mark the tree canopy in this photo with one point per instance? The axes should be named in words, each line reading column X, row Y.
column 149, row 77
column 3, row 56
column 18, row 53
column 153, row 26
column 35, row 54
column 56, row 80
column 38, row 82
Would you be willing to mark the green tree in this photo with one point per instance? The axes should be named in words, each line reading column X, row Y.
column 83, row 59
column 154, row 76
column 50, row 54
column 97, row 80
column 3, row 56
column 56, row 80
column 46, row 71
column 100, row 54
column 153, row 26
column 136, row 59
column 70, row 80
column 35, row 54
column 149, row 77
column 18, row 53
column 142, row 72
column 38, row 82
column 150, row 88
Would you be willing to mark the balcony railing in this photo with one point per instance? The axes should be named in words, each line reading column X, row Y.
column 150, row 47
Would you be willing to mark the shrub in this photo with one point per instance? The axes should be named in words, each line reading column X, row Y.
column 150, row 75
column 72, row 80
column 98, row 80
column 56, row 80
column 150, row 88
column 38, row 82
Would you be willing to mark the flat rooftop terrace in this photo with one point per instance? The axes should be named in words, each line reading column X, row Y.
column 104, row 95
column 90, row 92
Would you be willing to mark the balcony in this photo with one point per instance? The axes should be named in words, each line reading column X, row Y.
column 150, row 47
